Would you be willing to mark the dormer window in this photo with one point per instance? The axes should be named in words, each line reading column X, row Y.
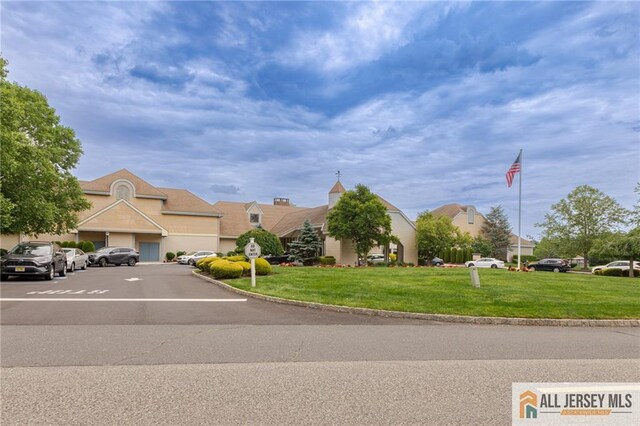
column 123, row 192
column 471, row 213
column 254, row 218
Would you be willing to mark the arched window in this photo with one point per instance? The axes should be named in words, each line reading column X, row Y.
column 471, row 213
column 123, row 192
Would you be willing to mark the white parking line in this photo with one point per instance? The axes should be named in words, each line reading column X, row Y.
column 52, row 299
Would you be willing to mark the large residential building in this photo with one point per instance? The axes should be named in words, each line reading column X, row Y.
column 468, row 219
column 127, row 211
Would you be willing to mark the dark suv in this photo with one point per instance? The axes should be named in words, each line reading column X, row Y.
column 115, row 256
column 34, row 258
column 554, row 265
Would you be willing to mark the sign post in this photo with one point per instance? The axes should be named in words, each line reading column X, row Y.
column 475, row 277
column 252, row 251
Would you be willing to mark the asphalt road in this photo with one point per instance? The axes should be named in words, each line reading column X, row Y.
column 254, row 362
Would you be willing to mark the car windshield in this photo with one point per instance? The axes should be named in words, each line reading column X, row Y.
column 32, row 249
column 191, row 253
column 103, row 249
column 68, row 250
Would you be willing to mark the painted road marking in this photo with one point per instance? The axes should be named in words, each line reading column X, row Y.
column 69, row 292
column 133, row 279
column 26, row 299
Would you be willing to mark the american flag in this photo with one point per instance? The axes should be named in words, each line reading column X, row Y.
column 515, row 168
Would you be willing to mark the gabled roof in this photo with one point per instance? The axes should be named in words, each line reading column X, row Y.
column 513, row 239
column 103, row 184
column 236, row 220
column 337, row 188
column 451, row 210
column 183, row 201
column 295, row 220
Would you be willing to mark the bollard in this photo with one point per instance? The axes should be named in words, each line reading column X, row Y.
column 475, row 277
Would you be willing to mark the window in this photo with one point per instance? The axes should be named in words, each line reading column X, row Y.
column 254, row 218
column 471, row 213
column 123, row 192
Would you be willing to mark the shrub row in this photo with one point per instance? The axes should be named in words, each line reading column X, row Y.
column 456, row 255
column 232, row 266
column 612, row 272
column 85, row 246
column 327, row 260
column 525, row 258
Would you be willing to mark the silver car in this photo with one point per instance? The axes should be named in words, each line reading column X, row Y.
column 192, row 257
column 76, row 258
column 485, row 262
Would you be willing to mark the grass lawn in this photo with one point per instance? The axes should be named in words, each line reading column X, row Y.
column 449, row 291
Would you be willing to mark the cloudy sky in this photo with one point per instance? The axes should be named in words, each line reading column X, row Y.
column 427, row 103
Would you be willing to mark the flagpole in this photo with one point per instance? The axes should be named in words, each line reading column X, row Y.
column 519, row 210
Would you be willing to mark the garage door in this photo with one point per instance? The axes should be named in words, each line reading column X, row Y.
column 149, row 252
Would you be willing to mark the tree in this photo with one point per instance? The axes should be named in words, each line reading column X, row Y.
column 482, row 246
column 434, row 234
column 306, row 247
column 269, row 243
column 635, row 213
column 620, row 245
column 584, row 216
column 553, row 247
column 362, row 218
column 497, row 231
column 38, row 193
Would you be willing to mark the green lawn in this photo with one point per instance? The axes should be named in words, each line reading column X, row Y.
column 449, row 291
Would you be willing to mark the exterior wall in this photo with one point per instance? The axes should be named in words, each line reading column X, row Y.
column 121, row 239
column 227, row 244
column 407, row 235
column 175, row 243
column 91, row 236
column 512, row 250
column 348, row 253
column 462, row 222
column 8, row 241
column 332, row 248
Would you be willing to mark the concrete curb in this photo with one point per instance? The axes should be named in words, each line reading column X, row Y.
column 432, row 317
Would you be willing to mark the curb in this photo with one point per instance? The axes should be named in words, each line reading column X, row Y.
column 549, row 322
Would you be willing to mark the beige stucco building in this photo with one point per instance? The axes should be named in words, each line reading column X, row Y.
column 127, row 211
column 286, row 221
column 469, row 220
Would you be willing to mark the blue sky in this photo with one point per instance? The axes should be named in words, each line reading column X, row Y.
column 427, row 103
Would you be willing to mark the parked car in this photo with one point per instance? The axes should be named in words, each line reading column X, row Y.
column 375, row 258
column 115, row 256
column 485, row 262
column 618, row 264
column 76, row 258
column 34, row 259
column 436, row 261
column 554, row 265
column 276, row 260
column 192, row 257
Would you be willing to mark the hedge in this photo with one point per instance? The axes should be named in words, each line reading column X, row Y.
column 237, row 258
column 246, row 267
column 170, row 256
column 327, row 260
column 612, row 272
column 525, row 258
column 225, row 269
column 262, row 267
column 203, row 264
column 180, row 253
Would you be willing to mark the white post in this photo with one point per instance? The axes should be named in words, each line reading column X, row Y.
column 475, row 277
column 253, row 272
column 520, row 211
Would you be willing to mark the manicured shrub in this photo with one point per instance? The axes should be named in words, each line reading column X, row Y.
column 262, row 267
column 237, row 258
column 3, row 251
column 468, row 254
column 203, row 264
column 459, row 255
column 611, row 272
column 393, row 257
column 327, row 260
column 525, row 258
column 64, row 244
column 246, row 267
column 180, row 253
column 231, row 253
column 268, row 242
column 170, row 256
column 88, row 247
column 447, row 255
column 636, row 273
column 223, row 269
column 219, row 254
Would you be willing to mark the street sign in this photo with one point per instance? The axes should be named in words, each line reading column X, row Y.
column 252, row 250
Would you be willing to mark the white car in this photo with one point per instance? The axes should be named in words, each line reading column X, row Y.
column 485, row 262
column 192, row 257
column 618, row 264
column 375, row 258
column 76, row 258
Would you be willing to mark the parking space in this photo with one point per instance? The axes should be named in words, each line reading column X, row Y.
column 148, row 294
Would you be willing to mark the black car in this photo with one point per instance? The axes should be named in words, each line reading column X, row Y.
column 553, row 265
column 276, row 260
column 34, row 258
column 114, row 256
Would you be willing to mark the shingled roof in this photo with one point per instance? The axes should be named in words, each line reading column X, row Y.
column 103, row 184
column 236, row 220
column 450, row 210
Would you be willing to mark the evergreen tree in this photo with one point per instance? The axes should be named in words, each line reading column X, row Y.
column 497, row 230
column 306, row 247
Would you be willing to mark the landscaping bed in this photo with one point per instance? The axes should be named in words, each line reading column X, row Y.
column 449, row 291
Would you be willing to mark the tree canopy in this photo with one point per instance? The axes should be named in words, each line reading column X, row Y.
column 620, row 245
column 38, row 193
column 269, row 243
column 584, row 216
column 306, row 247
column 497, row 231
column 360, row 216
column 434, row 234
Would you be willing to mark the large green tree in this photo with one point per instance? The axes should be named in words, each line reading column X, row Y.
column 497, row 230
column 360, row 216
column 635, row 213
column 434, row 234
column 38, row 193
column 306, row 246
column 620, row 245
column 269, row 243
column 585, row 215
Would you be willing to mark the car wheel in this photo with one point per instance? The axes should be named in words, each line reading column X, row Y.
column 50, row 273
column 73, row 267
column 494, row 266
column 532, row 268
column 192, row 262
column 132, row 262
column 84, row 265
column 102, row 262
column 63, row 272
column 556, row 270
column 470, row 265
